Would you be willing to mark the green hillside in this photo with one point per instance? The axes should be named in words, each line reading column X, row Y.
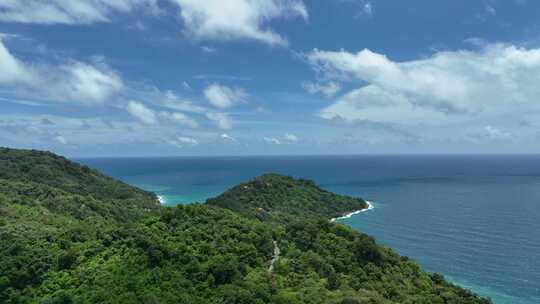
column 283, row 198
column 68, row 234
column 48, row 169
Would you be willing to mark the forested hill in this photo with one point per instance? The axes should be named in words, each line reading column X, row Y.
column 59, row 185
column 282, row 198
column 68, row 234
column 46, row 168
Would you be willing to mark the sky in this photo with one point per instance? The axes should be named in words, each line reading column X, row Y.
column 96, row 78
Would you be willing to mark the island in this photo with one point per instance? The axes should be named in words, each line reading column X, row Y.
column 69, row 234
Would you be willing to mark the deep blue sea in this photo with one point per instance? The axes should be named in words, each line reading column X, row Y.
column 475, row 219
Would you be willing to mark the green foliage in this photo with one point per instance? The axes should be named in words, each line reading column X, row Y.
column 71, row 235
column 57, row 172
column 273, row 197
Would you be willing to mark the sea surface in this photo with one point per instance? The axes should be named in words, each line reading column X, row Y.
column 475, row 219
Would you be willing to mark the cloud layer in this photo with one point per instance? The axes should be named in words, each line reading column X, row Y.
column 445, row 86
column 67, row 11
column 209, row 19
column 73, row 81
column 238, row 19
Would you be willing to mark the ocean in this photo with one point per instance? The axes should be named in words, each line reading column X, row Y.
column 473, row 218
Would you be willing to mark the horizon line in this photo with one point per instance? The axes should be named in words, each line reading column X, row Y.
column 305, row 155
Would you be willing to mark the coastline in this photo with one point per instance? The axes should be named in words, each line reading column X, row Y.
column 161, row 200
column 348, row 215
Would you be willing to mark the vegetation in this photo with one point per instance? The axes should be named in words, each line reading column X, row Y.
column 80, row 237
column 273, row 197
column 37, row 177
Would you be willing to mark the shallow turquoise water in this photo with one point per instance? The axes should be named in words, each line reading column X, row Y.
column 476, row 219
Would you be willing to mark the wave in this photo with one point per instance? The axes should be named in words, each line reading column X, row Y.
column 350, row 214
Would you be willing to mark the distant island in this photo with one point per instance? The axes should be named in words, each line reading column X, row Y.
column 69, row 234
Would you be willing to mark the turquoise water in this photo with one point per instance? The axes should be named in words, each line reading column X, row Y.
column 476, row 219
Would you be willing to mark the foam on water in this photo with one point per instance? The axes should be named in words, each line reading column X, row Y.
column 349, row 215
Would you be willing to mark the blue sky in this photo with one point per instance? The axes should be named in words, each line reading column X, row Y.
column 252, row 77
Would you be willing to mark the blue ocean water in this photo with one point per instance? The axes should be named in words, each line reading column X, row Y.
column 475, row 219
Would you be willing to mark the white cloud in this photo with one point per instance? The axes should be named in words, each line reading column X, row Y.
column 367, row 9
column 142, row 113
column 13, row 71
column 168, row 99
column 60, row 139
column 476, row 41
column 183, row 141
column 74, row 81
column 288, row 138
column 221, row 77
column 87, row 83
column 490, row 10
column 447, row 86
column 68, row 11
column 208, row 19
column 227, row 138
column 272, row 140
column 150, row 117
column 496, row 133
column 238, row 19
column 179, row 118
column 224, row 97
column 371, row 103
column 363, row 7
column 207, row 49
column 222, row 120
column 291, row 137
column 329, row 89
column 186, row 86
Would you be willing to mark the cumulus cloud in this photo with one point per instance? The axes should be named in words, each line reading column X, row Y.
column 329, row 89
column 238, row 19
column 371, row 103
column 222, row 120
column 490, row 10
column 46, row 122
column 179, row 118
column 73, row 81
column 142, row 113
column 227, row 138
column 224, row 97
column 291, row 137
column 183, row 141
column 496, row 133
column 87, row 83
column 13, row 71
column 186, row 85
column 367, row 9
column 288, row 138
column 209, row 19
column 148, row 116
column 272, row 140
column 448, row 85
column 490, row 133
column 363, row 7
column 208, row 49
column 476, row 41
column 61, row 139
column 68, row 11
column 166, row 99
